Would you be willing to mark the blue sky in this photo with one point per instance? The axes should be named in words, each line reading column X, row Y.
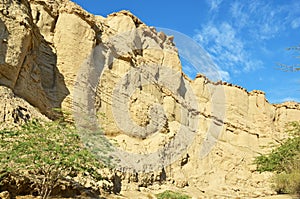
column 244, row 38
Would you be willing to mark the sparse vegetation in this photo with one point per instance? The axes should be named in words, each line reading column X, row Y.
column 287, row 182
column 45, row 153
column 285, row 162
column 172, row 195
column 295, row 67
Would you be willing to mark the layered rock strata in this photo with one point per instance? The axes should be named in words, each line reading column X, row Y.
column 128, row 78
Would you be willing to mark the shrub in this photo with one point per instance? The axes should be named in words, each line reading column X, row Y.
column 284, row 161
column 172, row 195
column 45, row 152
column 287, row 182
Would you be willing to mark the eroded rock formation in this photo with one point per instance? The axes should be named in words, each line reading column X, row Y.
column 15, row 111
column 28, row 61
column 128, row 76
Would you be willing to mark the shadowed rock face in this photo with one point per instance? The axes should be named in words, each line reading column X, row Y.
column 28, row 62
column 3, row 43
column 53, row 54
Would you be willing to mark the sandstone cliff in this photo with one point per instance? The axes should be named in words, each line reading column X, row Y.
column 127, row 77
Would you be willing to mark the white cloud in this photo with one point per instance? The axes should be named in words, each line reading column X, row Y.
column 256, row 17
column 253, row 64
column 214, row 4
column 226, row 48
column 237, row 13
column 224, row 75
column 231, row 37
column 263, row 20
column 295, row 23
column 289, row 99
column 216, row 75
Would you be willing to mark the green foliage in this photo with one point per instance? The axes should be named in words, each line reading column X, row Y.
column 284, row 160
column 47, row 151
column 285, row 157
column 172, row 195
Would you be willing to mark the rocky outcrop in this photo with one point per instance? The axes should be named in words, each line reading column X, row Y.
column 15, row 111
column 5, row 195
column 125, row 76
column 28, row 62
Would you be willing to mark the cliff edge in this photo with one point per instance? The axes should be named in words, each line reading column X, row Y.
column 128, row 76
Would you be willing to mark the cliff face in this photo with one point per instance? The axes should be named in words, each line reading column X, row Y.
column 127, row 77
column 28, row 62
